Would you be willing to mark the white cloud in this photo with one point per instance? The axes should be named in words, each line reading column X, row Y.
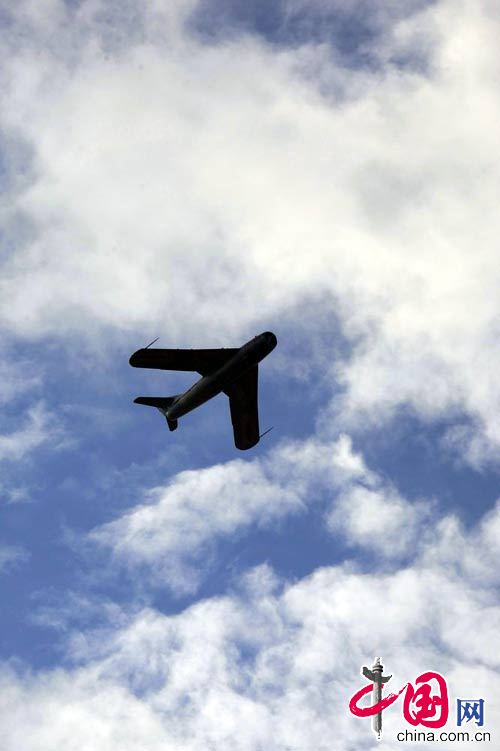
column 173, row 533
column 182, row 176
column 170, row 540
column 273, row 663
column 380, row 520
column 173, row 182
column 273, row 666
column 331, row 463
column 471, row 554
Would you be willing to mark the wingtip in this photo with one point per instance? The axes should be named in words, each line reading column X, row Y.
column 245, row 445
column 134, row 359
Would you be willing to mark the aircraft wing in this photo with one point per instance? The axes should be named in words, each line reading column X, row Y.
column 244, row 409
column 203, row 361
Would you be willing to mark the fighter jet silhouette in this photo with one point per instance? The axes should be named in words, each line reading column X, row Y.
column 232, row 371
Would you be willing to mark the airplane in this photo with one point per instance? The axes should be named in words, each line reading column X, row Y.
column 232, row 371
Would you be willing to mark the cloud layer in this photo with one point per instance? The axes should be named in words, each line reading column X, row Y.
column 171, row 538
column 168, row 180
column 270, row 665
column 159, row 179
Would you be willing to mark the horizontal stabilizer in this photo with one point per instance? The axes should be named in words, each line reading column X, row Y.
column 161, row 403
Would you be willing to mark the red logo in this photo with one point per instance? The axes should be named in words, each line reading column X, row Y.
column 425, row 704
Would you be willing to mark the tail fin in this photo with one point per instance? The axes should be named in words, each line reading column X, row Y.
column 162, row 403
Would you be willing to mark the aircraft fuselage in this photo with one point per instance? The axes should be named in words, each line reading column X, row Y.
column 249, row 355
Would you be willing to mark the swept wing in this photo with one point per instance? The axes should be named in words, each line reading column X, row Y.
column 244, row 409
column 203, row 361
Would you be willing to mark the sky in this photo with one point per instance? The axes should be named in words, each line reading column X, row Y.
column 203, row 171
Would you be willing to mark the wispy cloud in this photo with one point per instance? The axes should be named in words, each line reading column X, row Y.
column 12, row 556
column 39, row 427
column 172, row 534
column 171, row 537
column 17, row 377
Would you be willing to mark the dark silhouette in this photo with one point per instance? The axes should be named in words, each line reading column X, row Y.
column 232, row 371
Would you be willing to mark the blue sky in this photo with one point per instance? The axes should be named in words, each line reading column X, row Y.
column 202, row 172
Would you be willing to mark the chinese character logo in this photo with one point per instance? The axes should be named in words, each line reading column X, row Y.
column 425, row 704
